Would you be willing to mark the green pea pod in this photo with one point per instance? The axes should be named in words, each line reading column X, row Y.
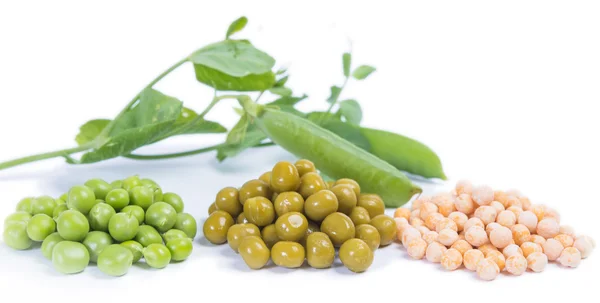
column 333, row 155
column 404, row 153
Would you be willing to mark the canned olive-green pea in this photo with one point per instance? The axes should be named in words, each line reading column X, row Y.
column 212, row 208
column 346, row 198
column 351, row 183
column 320, row 252
column 265, row 177
column 254, row 251
column 227, row 200
column 284, row 177
column 310, row 184
column 356, row 255
column 237, row 233
column 305, row 166
column 312, row 228
column 241, row 219
column 372, row 203
column 269, row 235
column 254, row 188
column 339, row 228
column 288, row 254
column 320, row 205
column 360, row 215
column 291, row 226
column 386, row 226
column 369, row 234
column 289, row 201
column 259, row 211
column 216, row 226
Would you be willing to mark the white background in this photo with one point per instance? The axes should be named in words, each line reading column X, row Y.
column 506, row 92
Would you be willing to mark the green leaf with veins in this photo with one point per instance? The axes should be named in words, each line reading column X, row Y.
column 335, row 94
column 287, row 100
column 350, row 109
column 347, row 62
column 281, row 82
column 233, row 58
column 362, row 72
column 223, row 82
column 90, row 130
column 236, row 26
column 281, row 91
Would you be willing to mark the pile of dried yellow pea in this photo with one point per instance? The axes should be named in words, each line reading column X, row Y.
column 488, row 232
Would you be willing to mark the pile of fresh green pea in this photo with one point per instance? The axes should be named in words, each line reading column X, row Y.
column 111, row 224
column 290, row 214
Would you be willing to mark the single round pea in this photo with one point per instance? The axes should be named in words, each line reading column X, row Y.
column 346, row 198
column 19, row 216
column 259, row 211
column 238, row 232
column 116, row 184
column 284, row 177
column 291, row 226
column 117, row 198
column 96, row 242
column 241, row 219
column 372, row 203
column 288, row 254
column 311, row 183
column 320, row 252
column 15, row 236
column 130, row 182
column 60, row 201
column 180, row 249
column 386, row 226
column 81, row 198
column 174, row 200
column 25, row 205
column 135, row 211
column 72, row 225
column 135, row 248
column 70, row 257
column 115, row 260
column 254, row 251
column 351, row 183
column 289, row 201
column 356, row 255
column 59, row 209
column 369, row 234
column 149, row 182
column 141, row 196
column 100, row 215
column 320, row 205
column 339, row 228
column 123, row 227
column 161, row 215
column 49, row 243
column 269, row 235
column 360, row 215
column 227, row 200
column 265, row 177
column 186, row 223
column 40, row 226
column 305, row 166
column 173, row 234
column 254, row 188
column 212, row 208
column 216, row 226
column 157, row 255
column 43, row 205
column 99, row 186
column 157, row 190
column 147, row 235
column 312, row 228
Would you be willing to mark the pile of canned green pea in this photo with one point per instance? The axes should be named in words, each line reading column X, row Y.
column 113, row 225
column 290, row 214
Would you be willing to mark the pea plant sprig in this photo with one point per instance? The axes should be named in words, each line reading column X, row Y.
column 233, row 68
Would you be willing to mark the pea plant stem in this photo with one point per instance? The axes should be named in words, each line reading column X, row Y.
column 53, row 154
column 186, row 153
column 335, row 101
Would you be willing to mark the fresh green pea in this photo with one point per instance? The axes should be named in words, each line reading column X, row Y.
column 180, row 249
column 123, row 227
column 49, row 243
column 157, row 255
column 335, row 157
column 19, row 216
column 15, row 236
column 186, row 223
column 116, row 184
column 135, row 248
column 117, row 198
column 70, row 257
column 130, row 182
column 40, row 226
column 149, row 182
column 172, row 234
column 100, row 215
column 64, row 197
column 161, row 215
column 115, row 260
column 72, row 225
column 43, row 205
column 60, row 202
column 96, row 242
column 141, row 196
column 147, row 235
column 174, row 200
column 158, row 193
column 99, row 186
column 25, row 205
column 135, row 211
column 81, row 198
column 59, row 209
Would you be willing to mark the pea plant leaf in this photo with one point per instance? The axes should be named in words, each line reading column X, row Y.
column 281, row 82
column 90, row 130
column 281, row 91
column 362, row 72
column 236, row 26
column 347, row 62
column 233, row 58
column 287, row 100
column 350, row 109
column 335, row 94
column 224, row 82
